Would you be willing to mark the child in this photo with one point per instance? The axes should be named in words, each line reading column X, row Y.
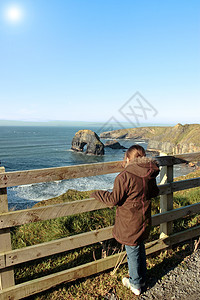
column 132, row 191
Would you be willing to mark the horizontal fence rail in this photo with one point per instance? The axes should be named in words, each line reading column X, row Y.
column 16, row 178
column 41, row 284
column 60, row 173
column 16, row 218
column 10, row 258
column 17, row 256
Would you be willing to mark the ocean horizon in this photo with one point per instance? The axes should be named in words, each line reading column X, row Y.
column 63, row 123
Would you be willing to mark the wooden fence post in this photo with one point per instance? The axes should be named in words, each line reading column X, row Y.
column 6, row 275
column 166, row 201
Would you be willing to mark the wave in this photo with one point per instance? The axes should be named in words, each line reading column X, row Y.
column 48, row 190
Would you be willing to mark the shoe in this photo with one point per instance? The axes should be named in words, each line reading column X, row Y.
column 126, row 283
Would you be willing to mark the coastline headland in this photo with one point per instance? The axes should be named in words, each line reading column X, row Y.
column 169, row 139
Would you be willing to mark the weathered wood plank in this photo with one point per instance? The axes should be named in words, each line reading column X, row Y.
column 36, row 214
column 173, row 239
column 38, row 285
column 86, row 170
column 175, row 214
column 6, row 275
column 185, row 184
column 60, row 173
column 2, row 261
column 180, row 185
column 41, row 284
column 157, row 245
column 184, row 235
column 166, row 201
column 178, row 159
column 195, row 156
column 169, row 160
column 164, row 189
column 58, row 246
column 49, row 248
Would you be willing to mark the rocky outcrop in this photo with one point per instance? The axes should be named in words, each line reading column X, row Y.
column 114, row 144
column 172, row 140
column 178, row 139
column 173, row 148
column 165, row 147
column 89, row 138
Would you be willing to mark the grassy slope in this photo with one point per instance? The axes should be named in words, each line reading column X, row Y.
column 95, row 287
column 69, row 196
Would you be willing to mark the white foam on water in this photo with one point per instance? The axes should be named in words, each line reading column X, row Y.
column 44, row 191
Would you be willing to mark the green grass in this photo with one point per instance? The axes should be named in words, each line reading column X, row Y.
column 95, row 287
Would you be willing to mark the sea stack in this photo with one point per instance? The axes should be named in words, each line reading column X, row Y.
column 114, row 144
column 89, row 138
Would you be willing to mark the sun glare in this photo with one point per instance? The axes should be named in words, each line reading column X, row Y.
column 14, row 14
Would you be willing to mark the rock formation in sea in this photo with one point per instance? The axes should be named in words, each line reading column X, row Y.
column 89, row 138
column 114, row 144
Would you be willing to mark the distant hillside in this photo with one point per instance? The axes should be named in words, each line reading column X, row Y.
column 174, row 140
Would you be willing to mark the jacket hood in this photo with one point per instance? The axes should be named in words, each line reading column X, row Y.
column 143, row 167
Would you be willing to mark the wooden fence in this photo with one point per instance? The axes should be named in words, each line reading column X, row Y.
column 10, row 258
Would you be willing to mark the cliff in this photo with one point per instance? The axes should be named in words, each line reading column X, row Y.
column 172, row 140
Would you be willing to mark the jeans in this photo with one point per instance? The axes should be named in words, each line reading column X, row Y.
column 136, row 257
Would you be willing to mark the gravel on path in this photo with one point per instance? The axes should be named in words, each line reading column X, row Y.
column 183, row 282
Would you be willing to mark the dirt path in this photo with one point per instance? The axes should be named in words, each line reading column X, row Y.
column 181, row 283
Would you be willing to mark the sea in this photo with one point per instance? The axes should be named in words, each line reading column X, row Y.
column 38, row 147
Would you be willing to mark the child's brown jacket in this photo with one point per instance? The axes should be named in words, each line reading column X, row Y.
column 132, row 191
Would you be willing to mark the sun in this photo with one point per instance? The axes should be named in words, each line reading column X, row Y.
column 14, row 14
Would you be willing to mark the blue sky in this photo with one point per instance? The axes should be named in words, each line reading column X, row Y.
column 83, row 60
